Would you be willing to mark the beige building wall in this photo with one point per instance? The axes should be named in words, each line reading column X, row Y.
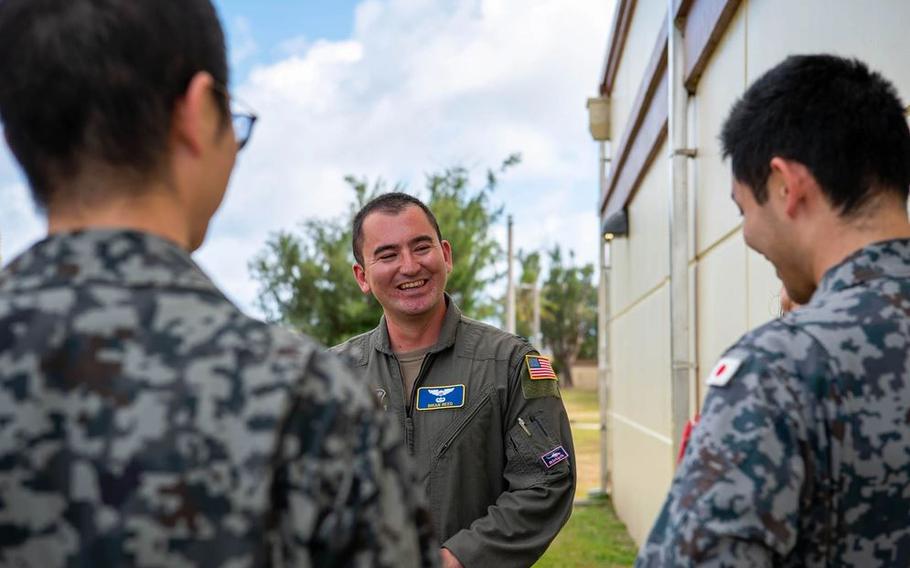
column 639, row 416
column 646, row 22
column 734, row 289
column 640, row 351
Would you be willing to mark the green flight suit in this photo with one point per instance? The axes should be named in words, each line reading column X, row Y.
column 497, row 498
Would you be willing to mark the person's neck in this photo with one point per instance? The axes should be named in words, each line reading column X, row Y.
column 150, row 210
column 846, row 237
column 410, row 334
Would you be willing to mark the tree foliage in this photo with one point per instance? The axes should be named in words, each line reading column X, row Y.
column 305, row 277
column 568, row 308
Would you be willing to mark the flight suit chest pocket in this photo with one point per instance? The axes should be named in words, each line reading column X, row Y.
column 465, row 473
column 474, row 417
column 534, row 448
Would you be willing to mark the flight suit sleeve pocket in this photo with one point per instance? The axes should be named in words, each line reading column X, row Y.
column 535, row 453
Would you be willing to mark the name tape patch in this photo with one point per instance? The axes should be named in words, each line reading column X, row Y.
column 540, row 368
column 554, row 456
column 438, row 398
column 723, row 372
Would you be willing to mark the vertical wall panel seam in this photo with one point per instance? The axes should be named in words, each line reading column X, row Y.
column 745, row 84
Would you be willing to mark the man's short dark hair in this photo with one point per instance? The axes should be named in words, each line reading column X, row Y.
column 87, row 82
column 390, row 203
column 842, row 121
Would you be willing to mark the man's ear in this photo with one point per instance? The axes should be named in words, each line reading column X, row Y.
column 360, row 276
column 792, row 184
column 188, row 121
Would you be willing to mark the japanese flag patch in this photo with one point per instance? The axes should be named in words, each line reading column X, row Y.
column 723, row 372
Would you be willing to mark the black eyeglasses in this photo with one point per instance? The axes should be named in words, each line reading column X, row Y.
column 243, row 127
column 242, row 116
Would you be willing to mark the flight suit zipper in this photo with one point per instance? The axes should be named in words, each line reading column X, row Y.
column 408, row 420
column 462, row 426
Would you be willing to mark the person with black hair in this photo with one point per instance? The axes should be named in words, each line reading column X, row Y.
column 144, row 420
column 802, row 453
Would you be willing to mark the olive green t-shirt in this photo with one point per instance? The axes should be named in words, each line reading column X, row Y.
column 410, row 362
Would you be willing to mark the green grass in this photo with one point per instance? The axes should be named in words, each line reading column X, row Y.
column 582, row 405
column 587, row 461
column 587, row 442
column 592, row 537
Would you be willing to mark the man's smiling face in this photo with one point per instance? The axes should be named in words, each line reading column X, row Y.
column 405, row 265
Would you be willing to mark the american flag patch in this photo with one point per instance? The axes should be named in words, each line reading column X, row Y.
column 539, row 367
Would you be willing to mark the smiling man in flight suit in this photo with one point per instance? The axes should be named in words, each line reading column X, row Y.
column 480, row 407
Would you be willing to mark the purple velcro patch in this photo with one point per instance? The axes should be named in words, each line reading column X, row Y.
column 554, row 456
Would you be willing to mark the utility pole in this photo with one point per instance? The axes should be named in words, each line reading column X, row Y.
column 536, row 334
column 510, row 286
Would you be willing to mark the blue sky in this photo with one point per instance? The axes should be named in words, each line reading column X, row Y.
column 396, row 89
column 287, row 19
column 273, row 24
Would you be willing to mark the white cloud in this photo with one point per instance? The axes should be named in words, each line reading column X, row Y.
column 20, row 224
column 225, row 259
column 293, row 47
column 243, row 44
column 420, row 86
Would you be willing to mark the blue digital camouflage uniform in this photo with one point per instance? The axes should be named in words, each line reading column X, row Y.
column 145, row 421
column 803, row 457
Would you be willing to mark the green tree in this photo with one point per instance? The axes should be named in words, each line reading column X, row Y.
column 569, row 312
column 466, row 218
column 305, row 277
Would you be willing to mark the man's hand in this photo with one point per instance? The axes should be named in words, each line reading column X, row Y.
column 448, row 559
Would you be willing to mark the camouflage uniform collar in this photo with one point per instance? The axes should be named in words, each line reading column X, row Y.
column 118, row 256
column 381, row 341
column 885, row 258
